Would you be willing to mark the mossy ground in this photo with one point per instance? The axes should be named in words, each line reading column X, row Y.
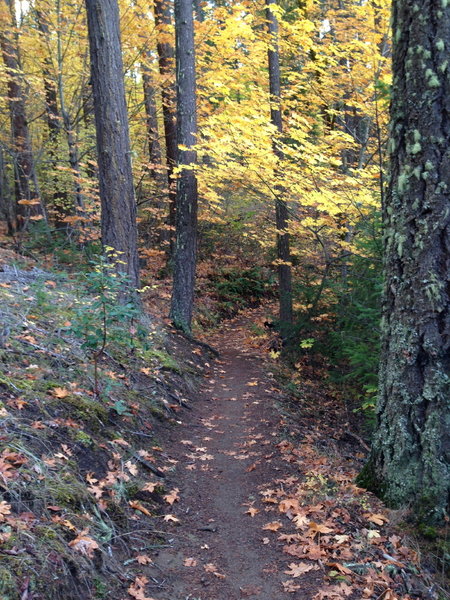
column 74, row 465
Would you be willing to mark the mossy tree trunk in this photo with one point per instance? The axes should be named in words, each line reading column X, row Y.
column 186, row 209
column 409, row 463
column 118, row 206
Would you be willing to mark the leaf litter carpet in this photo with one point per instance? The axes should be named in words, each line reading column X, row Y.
column 261, row 509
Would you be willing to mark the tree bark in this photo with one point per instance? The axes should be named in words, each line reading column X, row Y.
column 27, row 198
column 54, row 121
column 118, row 218
column 186, row 209
column 409, row 461
column 154, row 147
column 6, row 204
column 281, row 209
column 166, row 59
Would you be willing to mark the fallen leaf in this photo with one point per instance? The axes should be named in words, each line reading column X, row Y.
column 378, row 519
column 340, row 539
column 171, row 518
column 301, row 521
column 340, row 568
column 299, row 569
column 273, row 526
column 150, row 486
column 5, row 509
column 172, row 496
column 138, row 506
column 317, row 528
column 84, row 543
column 132, row 467
column 59, row 392
column 290, row 587
column 190, row 562
column 143, row 559
column 136, row 589
column 252, row 511
column 373, row 533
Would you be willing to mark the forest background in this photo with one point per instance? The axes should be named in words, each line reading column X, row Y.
column 335, row 77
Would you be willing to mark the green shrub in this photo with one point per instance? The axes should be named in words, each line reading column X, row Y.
column 236, row 288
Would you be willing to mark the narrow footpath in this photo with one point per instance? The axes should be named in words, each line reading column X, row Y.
column 223, row 547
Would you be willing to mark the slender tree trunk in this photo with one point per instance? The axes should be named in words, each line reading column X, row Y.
column 154, row 147
column 68, row 125
column 27, row 198
column 118, row 218
column 166, row 59
column 409, row 462
column 54, row 121
column 186, row 211
column 281, row 209
column 6, row 205
column 163, row 234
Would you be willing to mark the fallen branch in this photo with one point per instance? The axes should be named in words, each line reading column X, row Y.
column 149, row 466
column 193, row 340
column 357, row 438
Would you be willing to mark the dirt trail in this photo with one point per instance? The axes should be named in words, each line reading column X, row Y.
column 225, row 452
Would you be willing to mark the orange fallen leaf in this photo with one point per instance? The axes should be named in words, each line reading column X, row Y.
column 252, row 511
column 299, row 569
column 378, row 519
column 84, row 543
column 273, row 526
column 137, row 589
column 143, row 559
column 138, row 506
column 172, row 496
column 59, row 392
column 190, row 562
column 288, row 504
column 340, row 568
column 317, row 528
column 150, row 487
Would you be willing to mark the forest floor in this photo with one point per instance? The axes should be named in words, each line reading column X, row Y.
column 226, row 456
column 263, row 503
column 129, row 495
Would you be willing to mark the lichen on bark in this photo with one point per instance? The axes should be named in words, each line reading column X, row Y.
column 409, row 462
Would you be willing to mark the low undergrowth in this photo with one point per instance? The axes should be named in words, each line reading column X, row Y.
column 84, row 398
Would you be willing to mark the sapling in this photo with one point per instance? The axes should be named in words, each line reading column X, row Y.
column 99, row 318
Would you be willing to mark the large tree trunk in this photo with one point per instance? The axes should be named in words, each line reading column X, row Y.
column 27, row 197
column 166, row 58
column 186, row 208
column 118, row 218
column 409, row 462
column 281, row 209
